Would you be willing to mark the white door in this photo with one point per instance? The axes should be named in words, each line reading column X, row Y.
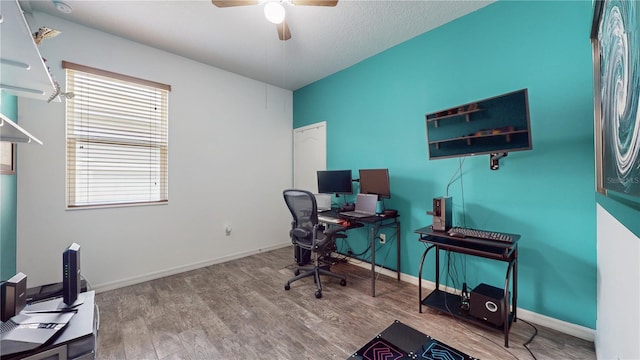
column 309, row 155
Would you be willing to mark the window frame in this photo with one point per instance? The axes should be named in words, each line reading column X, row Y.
column 158, row 147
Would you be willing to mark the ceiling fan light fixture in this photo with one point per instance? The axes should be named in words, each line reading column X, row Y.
column 274, row 12
column 62, row 6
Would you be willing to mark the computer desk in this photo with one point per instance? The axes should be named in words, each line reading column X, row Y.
column 374, row 224
column 444, row 301
column 76, row 341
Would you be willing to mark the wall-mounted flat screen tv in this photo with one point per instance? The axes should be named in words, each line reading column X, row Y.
column 496, row 125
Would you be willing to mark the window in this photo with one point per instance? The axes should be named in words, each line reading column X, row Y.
column 117, row 139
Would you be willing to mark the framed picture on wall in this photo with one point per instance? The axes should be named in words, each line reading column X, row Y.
column 7, row 157
column 615, row 37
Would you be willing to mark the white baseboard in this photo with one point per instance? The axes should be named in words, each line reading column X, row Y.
column 578, row 331
column 180, row 269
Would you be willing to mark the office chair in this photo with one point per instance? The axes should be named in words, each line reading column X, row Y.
column 307, row 234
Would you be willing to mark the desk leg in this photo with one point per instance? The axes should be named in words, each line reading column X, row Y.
column 437, row 268
column 515, row 284
column 373, row 260
column 511, row 271
column 398, row 241
column 424, row 255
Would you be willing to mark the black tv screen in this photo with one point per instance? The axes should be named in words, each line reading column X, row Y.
column 496, row 125
column 375, row 181
column 335, row 182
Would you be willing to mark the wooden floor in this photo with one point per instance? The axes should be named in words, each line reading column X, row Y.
column 240, row 310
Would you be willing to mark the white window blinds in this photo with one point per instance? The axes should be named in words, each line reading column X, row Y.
column 117, row 139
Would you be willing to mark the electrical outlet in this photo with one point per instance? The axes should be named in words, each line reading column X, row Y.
column 383, row 238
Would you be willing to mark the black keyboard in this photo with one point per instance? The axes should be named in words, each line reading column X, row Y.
column 480, row 234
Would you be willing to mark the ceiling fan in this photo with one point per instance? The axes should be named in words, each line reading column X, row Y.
column 274, row 11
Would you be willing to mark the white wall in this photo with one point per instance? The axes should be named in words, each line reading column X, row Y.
column 230, row 158
column 618, row 317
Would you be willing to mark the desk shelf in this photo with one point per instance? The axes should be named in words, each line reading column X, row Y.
column 450, row 303
column 472, row 246
column 496, row 250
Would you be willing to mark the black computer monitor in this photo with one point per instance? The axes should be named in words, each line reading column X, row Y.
column 335, row 182
column 375, row 181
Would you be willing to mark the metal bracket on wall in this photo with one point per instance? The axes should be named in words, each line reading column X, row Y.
column 494, row 160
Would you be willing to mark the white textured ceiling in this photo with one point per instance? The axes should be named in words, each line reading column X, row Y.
column 324, row 40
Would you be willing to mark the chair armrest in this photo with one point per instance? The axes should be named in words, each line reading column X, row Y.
column 336, row 232
column 300, row 233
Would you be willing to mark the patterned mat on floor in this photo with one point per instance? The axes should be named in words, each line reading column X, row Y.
column 401, row 342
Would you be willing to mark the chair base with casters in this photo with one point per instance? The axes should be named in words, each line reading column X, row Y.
column 315, row 271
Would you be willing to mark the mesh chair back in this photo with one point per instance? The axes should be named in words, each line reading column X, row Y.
column 303, row 207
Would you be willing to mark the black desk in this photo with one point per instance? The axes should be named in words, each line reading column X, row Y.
column 496, row 250
column 374, row 223
column 77, row 340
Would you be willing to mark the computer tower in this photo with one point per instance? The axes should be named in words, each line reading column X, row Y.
column 487, row 303
column 14, row 296
column 442, row 213
column 303, row 256
column 71, row 274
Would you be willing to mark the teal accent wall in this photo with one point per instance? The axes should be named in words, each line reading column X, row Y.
column 375, row 119
column 8, row 202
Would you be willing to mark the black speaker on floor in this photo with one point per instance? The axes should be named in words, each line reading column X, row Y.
column 486, row 303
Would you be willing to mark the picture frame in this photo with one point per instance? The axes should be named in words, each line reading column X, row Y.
column 616, row 68
column 7, row 157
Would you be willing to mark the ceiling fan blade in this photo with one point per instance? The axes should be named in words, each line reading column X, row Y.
column 315, row 2
column 283, row 31
column 225, row 3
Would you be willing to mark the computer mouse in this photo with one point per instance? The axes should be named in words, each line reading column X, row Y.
column 457, row 234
